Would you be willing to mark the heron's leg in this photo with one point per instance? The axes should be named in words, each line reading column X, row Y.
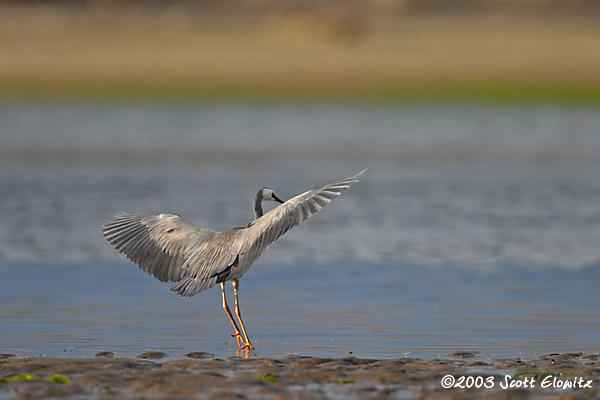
column 237, row 335
column 236, row 285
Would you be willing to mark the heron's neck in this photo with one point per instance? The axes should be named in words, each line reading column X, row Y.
column 258, row 211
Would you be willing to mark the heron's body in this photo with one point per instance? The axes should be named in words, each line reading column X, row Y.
column 170, row 249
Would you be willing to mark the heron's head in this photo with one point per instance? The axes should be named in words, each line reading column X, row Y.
column 269, row 194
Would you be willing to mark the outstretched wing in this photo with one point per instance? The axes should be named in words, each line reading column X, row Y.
column 268, row 228
column 159, row 244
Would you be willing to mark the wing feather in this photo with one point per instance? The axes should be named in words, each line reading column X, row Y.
column 159, row 244
column 274, row 224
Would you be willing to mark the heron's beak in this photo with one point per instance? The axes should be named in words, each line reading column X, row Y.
column 277, row 199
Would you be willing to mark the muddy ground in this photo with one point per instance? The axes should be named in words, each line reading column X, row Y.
column 201, row 376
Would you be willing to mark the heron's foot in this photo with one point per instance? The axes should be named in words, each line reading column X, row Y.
column 243, row 344
column 239, row 338
column 248, row 346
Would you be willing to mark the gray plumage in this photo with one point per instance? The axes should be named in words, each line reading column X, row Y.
column 170, row 249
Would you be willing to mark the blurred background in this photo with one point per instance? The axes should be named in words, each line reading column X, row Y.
column 413, row 50
column 476, row 227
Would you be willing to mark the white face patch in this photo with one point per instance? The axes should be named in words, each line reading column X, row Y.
column 267, row 194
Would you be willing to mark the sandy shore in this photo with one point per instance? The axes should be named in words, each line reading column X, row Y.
column 297, row 377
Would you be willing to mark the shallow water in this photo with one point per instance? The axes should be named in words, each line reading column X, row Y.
column 476, row 228
column 365, row 310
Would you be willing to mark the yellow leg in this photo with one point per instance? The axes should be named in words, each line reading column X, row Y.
column 236, row 285
column 238, row 334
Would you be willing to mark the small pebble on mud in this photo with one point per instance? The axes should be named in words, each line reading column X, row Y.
column 153, row 355
column 105, row 354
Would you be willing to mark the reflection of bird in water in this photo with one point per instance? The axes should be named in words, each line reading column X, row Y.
column 171, row 249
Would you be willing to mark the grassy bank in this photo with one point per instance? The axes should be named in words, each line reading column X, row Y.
column 532, row 51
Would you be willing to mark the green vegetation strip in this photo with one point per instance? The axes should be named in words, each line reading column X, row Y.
column 268, row 378
column 344, row 381
column 475, row 91
column 29, row 377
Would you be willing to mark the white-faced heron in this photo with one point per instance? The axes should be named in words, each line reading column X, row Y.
column 170, row 249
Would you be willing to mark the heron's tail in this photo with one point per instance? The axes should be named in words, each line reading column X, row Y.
column 191, row 287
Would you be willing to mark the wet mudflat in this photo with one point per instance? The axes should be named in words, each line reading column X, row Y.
column 299, row 377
